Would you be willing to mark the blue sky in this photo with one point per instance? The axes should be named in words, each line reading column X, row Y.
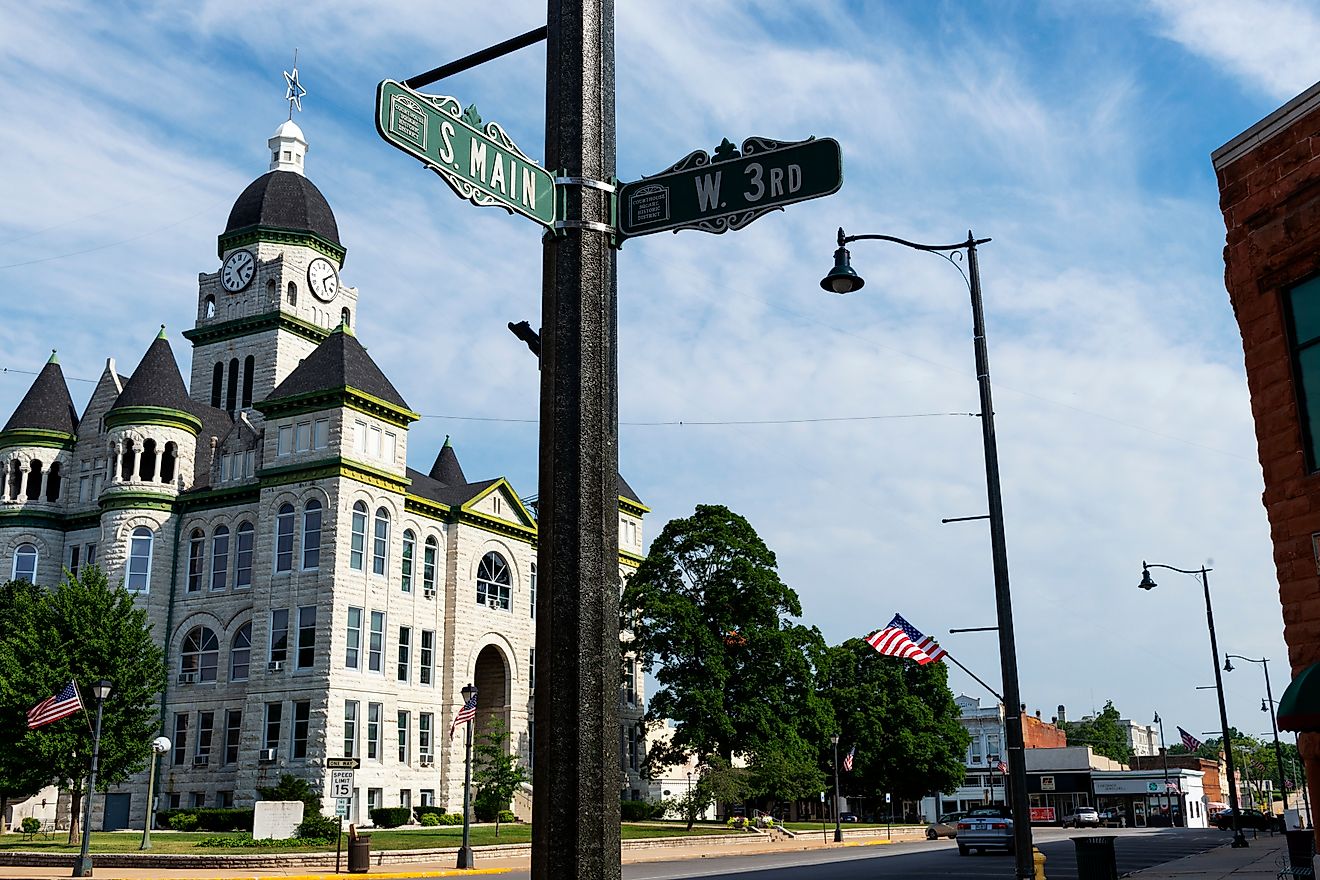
column 1077, row 137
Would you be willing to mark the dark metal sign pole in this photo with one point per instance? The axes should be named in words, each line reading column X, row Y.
column 576, row 777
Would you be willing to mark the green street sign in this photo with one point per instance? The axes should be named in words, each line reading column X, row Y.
column 478, row 161
column 728, row 190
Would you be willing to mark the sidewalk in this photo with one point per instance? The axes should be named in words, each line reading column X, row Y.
column 1261, row 861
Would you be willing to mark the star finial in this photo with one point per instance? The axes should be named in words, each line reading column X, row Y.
column 295, row 93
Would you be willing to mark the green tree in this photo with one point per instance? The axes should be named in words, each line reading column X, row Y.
column 293, row 788
column 86, row 630
column 21, row 776
column 787, row 769
column 901, row 717
column 496, row 773
column 709, row 614
column 1102, row 733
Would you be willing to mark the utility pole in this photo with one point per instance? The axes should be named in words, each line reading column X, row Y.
column 576, row 776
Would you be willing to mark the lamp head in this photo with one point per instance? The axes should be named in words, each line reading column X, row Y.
column 834, row 739
column 1263, row 707
column 1146, row 582
column 161, row 744
column 1228, row 664
column 1157, row 718
column 468, row 692
column 101, row 689
column 842, row 278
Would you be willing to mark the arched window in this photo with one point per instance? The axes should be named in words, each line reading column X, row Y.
column 137, row 576
column 249, row 368
column 53, row 482
column 344, row 317
column 34, row 481
column 25, row 563
column 231, row 392
column 292, row 294
column 147, row 468
column 200, row 654
column 428, row 565
column 270, row 290
column 380, row 546
column 217, row 383
column 240, row 653
column 168, row 459
column 220, row 557
column 493, row 584
column 126, row 468
column 15, row 478
column 243, row 556
column 284, row 538
column 208, row 307
column 196, row 560
column 311, row 538
column 406, row 575
column 358, row 541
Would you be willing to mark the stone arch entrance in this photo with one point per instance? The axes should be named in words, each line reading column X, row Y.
column 491, row 676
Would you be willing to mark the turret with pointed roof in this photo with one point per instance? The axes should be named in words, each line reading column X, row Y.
column 155, row 393
column 446, row 469
column 45, row 411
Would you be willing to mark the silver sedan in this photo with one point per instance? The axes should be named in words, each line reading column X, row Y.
column 985, row 828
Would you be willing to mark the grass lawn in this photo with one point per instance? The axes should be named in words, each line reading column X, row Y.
column 388, row 839
column 815, row 826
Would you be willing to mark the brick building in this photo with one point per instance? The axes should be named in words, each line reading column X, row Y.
column 1269, row 185
column 1211, row 770
column 314, row 595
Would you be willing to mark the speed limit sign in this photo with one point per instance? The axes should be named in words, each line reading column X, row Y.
column 341, row 783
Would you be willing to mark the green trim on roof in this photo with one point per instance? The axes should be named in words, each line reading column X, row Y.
column 32, row 519
column 528, row 521
column 205, row 499
column 42, row 437
column 121, row 499
column 428, row 508
column 632, row 560
column 636, row 508
column 154, row 415
column 76, row 522
column 331, row 398
column 252, row 324
column 275, row 235
column 337, row 466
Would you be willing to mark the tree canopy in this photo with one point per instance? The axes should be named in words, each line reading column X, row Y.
column 1102, row 733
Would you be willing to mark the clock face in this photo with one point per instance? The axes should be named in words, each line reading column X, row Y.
column 237, row 271
column 323, row 279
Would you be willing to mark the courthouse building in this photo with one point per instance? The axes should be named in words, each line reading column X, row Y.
column 314, row 595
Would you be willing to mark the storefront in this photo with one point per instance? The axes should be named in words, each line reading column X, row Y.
column 1056, row 794
column 1138, row 798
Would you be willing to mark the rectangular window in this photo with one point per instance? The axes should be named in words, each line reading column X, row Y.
column 85, row 489
column 373, row 442
column 531, row 743
column 533, row 590
column 285, row 444
column 98, row 477
column 350, row 728
column 360, row 437
column 279, row 634
column 274, row 718
column 224, row 800
column 974, row 754
column 426, row 662
column 303, row 437
column 630, row 683
column 306, row 636
column 198, row 799
column 391, row 447
column 531, row 669
column 173, row 799
column 403, row 737
column 428, row 797
column 376, row 645
column 406, row 565
column 405, row 798
column 425, row 721
column 90, row 555
column 405, row 652
column 180, row 736
column 205, row 724
column 233, row 731
column 219, row 559
column 243, row 556
column 353, row 639
column 373, row 799
column 73, row 560
column 321, row 434
column 249, row 463
column 428, row 567
column 374, row 711
column 992, row 747
column 1303, row 307
column 302, row 716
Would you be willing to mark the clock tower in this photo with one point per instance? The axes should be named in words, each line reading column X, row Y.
column 276, row 293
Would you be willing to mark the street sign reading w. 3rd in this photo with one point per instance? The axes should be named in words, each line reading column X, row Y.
column 731, row 188
column 478, row 161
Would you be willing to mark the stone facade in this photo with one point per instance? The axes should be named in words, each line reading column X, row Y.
column 314, row 596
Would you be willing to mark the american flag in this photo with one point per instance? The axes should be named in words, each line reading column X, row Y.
column 1002, row 768
column 848, row 759
column 1190, row 741
column 62, row 705
column 926, row 643
column 466, row 714
column 899, row 639
column 1172, row 786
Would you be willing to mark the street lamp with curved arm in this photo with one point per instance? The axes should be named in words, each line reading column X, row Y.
column 844, row 279
column 1148, row 583
column 1274, row 724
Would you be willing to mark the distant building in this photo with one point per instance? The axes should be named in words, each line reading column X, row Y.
column 1143, row 739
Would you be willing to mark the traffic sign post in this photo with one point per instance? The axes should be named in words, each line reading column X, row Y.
column 732, row 187
column 478, row 160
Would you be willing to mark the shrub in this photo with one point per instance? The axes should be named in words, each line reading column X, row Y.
column 507, row 816
column 30, row 825
column 210, row 818
column 427, row 810
column 183, row 821
column 318, row 827
column 430, row 820
column 390, row 817
column 451, row 819
column 242, row 841
column 640, row 811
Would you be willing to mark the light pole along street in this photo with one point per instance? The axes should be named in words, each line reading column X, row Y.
column 83, row 866
column 1164, row 755
column 1268, row 706
column 838, row 829
column 842, row 279
column 1239, row 839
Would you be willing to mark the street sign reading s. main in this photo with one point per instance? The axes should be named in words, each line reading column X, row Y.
column 731, row 188
column 478, row 161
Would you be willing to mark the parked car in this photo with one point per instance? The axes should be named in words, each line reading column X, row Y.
column 1082, row 817
column 847, row 817
column 985, row 828
column 947, row 826
column 1251, row 819
column 1113, row 818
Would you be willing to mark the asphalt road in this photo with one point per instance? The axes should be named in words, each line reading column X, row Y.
column 1134, row 849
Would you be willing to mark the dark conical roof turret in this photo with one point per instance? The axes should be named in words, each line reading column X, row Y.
column 156, row 381
column 339, row 362
column 47, row 406
column 446, row 469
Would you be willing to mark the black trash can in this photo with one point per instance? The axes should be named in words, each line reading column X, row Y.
column 359, row 854
column 1095, row 858
column 1301, row 850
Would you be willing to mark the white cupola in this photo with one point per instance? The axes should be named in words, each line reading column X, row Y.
column 288, row 147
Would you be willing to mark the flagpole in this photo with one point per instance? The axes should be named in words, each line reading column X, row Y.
column 977, row 678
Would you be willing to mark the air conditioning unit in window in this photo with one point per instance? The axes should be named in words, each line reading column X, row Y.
column 275, row 666
column 428, row 762
column 429, row 593
column 267, row 756
column 201, row 760
column 187, row 678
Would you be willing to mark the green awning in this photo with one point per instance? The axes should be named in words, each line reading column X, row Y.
column 1299, row 708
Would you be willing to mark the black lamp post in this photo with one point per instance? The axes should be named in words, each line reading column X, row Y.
column 838, row 829
column 465, row 859
column 1164, row 753
column 842, row 279
column 1274, row 724
column 1239, row 839
column 83, row 866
